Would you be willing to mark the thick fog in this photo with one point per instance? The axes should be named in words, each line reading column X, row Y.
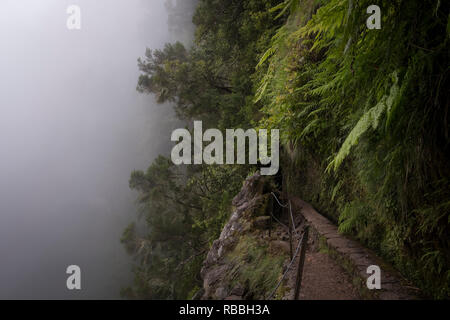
column 72, row 128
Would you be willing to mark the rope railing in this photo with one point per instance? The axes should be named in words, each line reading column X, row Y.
column 275, row 218
column 281, row 205
column 290, row 211
column 297, row 250
column 287, row 270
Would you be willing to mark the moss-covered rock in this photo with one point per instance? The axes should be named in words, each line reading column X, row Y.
column 240, row 265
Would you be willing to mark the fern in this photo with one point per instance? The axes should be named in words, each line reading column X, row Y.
column 290, row 5
column 370, row 119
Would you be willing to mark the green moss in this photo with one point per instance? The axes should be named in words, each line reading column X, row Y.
column 323, row 247
column 255, row 267
column 193, row 292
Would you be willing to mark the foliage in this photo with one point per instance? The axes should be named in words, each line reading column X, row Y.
column 185, row 208
column 369, row 111
column 364, row 121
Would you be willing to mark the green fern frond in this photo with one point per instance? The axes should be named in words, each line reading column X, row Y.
column 290, row 5
column 369, row 119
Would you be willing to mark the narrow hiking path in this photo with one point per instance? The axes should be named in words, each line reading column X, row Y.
column 323, row 278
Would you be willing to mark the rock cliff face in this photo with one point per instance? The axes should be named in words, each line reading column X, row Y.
column 240, row 264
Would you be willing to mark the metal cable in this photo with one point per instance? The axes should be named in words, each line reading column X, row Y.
column 282, row 205
column 289, row 267
column 290, row 210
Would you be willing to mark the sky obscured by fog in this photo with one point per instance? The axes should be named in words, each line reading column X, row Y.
column 72, row 128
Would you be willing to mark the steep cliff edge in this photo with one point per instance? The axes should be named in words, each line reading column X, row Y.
column 242, row 264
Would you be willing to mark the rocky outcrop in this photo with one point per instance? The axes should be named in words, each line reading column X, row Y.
column 231, row 268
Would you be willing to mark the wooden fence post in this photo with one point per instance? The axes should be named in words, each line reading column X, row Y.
column 290, row 238
column 301, row 263
column 272, row 213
